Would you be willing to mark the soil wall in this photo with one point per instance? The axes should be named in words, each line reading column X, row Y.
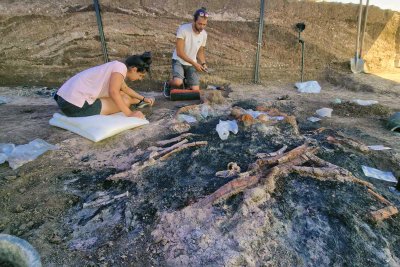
column 45, row 42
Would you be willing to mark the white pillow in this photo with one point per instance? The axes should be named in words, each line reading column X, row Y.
column 97, row 127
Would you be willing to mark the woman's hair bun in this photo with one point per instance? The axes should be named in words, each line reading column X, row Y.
column 141, row 62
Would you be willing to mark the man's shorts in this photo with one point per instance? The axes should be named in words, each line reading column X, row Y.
column 71, row 110
column 185, row 72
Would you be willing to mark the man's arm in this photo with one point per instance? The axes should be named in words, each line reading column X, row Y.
column 201, row 56
column 180, row 51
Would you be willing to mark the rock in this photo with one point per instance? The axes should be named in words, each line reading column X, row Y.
column 247, row 120
column 237, row 112
column 19, row 208
column 257, row 194
column 180, row 127
column 212, row 97
column 263, row 118
column 10, row 177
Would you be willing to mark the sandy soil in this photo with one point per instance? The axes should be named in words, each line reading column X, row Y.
column 304, row 222
column 42, row 200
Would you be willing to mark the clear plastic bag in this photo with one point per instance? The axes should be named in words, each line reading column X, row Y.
column 186, row 118
column 224, row 127
column 25, row 153
column 7, row 149
column 204, row 111
column 324, row 112
column 308, row 87
column 364, row 102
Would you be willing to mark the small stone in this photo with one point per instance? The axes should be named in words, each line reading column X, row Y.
column 237, row 112
column 248, row 120
column 263, row 118
column 22, row 190
column 10, row 177
column 85, row 159
column 55, row 239
column 19, row 208
column 180, row 127
column 22, row 227
column 257, row 194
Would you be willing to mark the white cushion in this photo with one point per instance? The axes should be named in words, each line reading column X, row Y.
column 97, row 127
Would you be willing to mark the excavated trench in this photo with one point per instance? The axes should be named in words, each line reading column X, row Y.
column 303, row 221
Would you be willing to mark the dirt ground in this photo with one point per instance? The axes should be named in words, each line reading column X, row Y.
column 303, row 222
column 66, row 38
column 42, row 200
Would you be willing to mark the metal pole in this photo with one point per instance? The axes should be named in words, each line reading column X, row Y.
column 260, row 32
column 364, row 27
column 101, row 32
column 302, row 57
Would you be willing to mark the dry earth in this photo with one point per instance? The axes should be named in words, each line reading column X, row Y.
column 65, row 38
column 303, row 223
column 42, row 200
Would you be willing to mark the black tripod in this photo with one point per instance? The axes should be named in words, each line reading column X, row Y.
column 299, row 28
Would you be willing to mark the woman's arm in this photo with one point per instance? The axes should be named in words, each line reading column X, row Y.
column 129, row 91
column 116, row 81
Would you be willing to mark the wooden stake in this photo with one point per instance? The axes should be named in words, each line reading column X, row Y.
column 383, row 214
column 182, row 147
column 175, row 139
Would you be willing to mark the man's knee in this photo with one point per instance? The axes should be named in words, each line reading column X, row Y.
column 176, row 82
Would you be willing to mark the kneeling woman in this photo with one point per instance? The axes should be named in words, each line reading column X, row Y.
column 102, row 89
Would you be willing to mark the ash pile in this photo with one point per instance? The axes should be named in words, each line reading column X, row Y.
column 261, row 191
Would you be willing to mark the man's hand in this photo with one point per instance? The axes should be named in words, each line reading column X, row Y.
column 200, row 68
column 136, row 114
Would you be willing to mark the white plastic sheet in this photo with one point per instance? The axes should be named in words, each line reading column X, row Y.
column 5, row 151
column 255, row 114
column 22, row 154
column 364, row 102
column 308, row 87
column 379, row 147
column 224, row 127
column 4, row 100
column 313, row 119
column 3, row 158
column 97, row 127
column 378, row 174
column 324, row 112
column 186, row 118
column 204, row 111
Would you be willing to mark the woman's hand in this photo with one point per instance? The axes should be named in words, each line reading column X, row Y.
column 136, row 114
column 149, row 100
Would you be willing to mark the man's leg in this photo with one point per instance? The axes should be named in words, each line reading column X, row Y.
column 192, row 77
column 178, row 74
column 175, row 82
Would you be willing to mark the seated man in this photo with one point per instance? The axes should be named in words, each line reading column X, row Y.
column 190, row 44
